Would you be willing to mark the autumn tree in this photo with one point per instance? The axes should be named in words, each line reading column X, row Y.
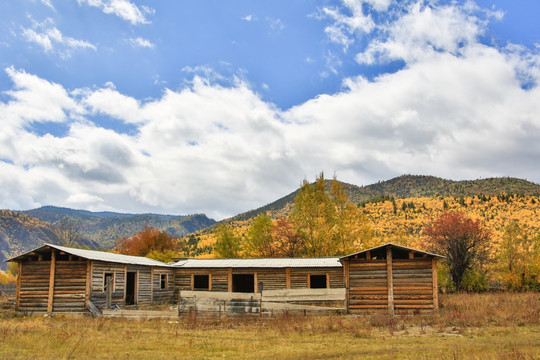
column 259, row 238
column 519, row 259
column 314, row 213
column 328, row 222
column 227, row 242
column 285, row 240
column 149, row 241
column 462, row 240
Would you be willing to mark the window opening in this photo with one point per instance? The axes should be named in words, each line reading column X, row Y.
column 163, row 281
column 201, row 282
column 317, row 281
column 244, row 283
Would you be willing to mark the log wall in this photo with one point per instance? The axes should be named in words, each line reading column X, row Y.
column 69, row 286
column 34, row 286
column 392, row 284
column 97, row 292
column 159, row 295
column 272, row 278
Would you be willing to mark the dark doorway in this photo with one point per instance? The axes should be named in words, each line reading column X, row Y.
column 201, row 282
column 131, row 288
column 243, row 283
column 317, row 281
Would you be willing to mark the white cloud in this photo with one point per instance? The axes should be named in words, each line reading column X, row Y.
column 47, row 36
column 249, row 18
column 140, row 43
column 124, row 9
column 457, row 111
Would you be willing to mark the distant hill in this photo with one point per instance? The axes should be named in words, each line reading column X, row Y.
column 408, row 186
column 23, row 231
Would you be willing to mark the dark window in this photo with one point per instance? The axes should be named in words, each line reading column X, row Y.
column 163, row 281
column 317, row 281
column 201, row 282
column 244, row 283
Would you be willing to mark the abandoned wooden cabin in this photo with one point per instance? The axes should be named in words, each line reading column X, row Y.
column 55, row 278
column 390, row 277
column 249, row 275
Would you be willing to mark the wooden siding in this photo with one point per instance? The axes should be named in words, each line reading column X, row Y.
column 159, row 295
column 413, row 284
column 367, row 284
column 97, row 294
column 144, row 283
column 34, row 286
column 390, row 282
column 69, row 286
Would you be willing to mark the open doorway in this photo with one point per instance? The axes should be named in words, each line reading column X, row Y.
column 244, row 283
column 317, row 281
column 131, row 288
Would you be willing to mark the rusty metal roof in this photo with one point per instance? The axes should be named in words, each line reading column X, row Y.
column 97, row 255
column 260, row 263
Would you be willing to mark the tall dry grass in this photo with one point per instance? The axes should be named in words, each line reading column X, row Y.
column 468, row 326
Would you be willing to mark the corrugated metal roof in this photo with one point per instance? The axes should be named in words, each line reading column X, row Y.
column 100, row 256
column 393, row 245
column 260, row 263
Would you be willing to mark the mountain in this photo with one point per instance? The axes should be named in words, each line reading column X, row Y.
column 23, row 231
column 408, row 186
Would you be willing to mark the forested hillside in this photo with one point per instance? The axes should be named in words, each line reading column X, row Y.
column 23, row 231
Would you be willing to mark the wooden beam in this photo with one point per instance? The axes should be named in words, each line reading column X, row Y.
column 229, row 280
column 152, row 284
column 328, row 280
column 435, row 284
column 125, row 286
column 287, row 277
column 368, row 255
column 309, row 281
column 19, row 276
column 256, row 280
column 192, row 282
column 390, row 280
column 209, row 281
column 51, row 282
column 88, row 279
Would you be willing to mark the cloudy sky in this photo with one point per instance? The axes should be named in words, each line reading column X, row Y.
column 219, row 107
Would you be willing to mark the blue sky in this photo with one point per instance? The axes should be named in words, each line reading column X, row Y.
column 220, row 107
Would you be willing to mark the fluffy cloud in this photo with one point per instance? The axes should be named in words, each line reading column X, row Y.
column 124, row 9
column 459, row 109
column 47, row 36
column 140, row 43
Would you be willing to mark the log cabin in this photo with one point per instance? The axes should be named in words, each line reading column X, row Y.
column 58, row 279
column 392, row 277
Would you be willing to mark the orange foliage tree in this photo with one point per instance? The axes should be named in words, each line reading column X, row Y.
column 150, row 240
column 462, row 240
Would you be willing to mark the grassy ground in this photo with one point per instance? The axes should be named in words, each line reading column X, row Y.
column 469, row 326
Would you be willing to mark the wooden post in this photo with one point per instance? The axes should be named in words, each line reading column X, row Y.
column 51, row 282
column 287, row 277
column 390, row 280
column 328, row 280
column 152, row 284
column 255, row 280
column 19, row 275
column 308, row 281
column 346, row 267
column 192, row 282
column 435, row 284
column 209, row 281
column 229, row 280
column 125, row 285
column 108, row 293
column 88, row 279
column 368, row 255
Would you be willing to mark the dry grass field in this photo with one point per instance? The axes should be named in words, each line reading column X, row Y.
column 468, row 326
